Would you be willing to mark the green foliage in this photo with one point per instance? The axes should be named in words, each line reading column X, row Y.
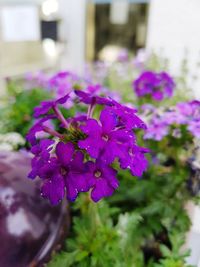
column 100, row 237
column 16, row 114
column 95, row 238
column 173, row 258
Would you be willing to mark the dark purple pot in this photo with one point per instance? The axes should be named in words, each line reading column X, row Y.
column 29, row 227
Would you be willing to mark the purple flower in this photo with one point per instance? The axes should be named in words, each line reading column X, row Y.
column 50, row 168
column 38, row 127
column 185, row 109
column 123, row 55
column 147, row 109
column 144, row 84
column 194, row 128
column 62, row 159
column 156, row 130
column 35, row 80
column 54, row 189
column 78, row 174
column 73, row 168
column 157, row 95
column 31, row 136
column 37, row 163
column 78, row 120
column 155, row 85
column 104, row 139
column 93, row 89
column 97, row 89
column 63, row 82
column 185, row 115
column 65, row 172
column 135, row 160
column 42, row 135
column 43, row 148
column 103, row 178
column 126, row 116
column 89, row 98
column 59, row 77
column 174, row 117
column 191, row 110
column 46, row 106
column 167, row 83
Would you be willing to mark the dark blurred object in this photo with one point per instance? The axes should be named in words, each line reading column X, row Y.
column 127, row 35
column 49, row 29
column 151, row 248
column 30, row 228
column 193, row 182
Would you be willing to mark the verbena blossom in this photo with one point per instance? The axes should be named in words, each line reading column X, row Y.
column 65, row 82
column 123, row 55
column 162, row 122
column 156, row 86
column 97, row 71
column 86, row 151
column 62, row 82
column 157, row 129
column 35, row 80
column 140, row 59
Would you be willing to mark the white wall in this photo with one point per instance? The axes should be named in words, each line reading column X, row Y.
column 174, row 25
column 73, row 16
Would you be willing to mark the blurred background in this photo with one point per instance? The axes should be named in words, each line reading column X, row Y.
column 58, row 34
column 88, row 37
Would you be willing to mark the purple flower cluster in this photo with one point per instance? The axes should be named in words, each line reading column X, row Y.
column 157, row 86
column 64, row 82
column 84, row 153
column 35, row 80
column 163, row 122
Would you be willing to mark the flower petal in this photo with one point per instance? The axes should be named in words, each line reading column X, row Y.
column 64, row 152
column 54, row 189
column 101, row 189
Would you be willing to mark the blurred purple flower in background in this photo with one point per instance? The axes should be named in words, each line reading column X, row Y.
column 140, row 59
column 157, row 86
column 36, row 80
column 194, row 128
column 156, row 130
column 162, row 122
column 123, row 55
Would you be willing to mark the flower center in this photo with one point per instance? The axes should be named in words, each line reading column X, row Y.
column 105, row 137
column 63, row 171
column 97, row 174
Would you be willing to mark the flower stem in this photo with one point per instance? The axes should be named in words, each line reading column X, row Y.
column 52, row 132
column 60, row 116
column 90, row 110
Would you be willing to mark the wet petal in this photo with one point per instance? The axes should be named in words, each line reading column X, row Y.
column 54, row 189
